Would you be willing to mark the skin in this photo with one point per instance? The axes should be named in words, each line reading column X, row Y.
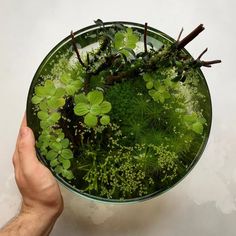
column 42, row 201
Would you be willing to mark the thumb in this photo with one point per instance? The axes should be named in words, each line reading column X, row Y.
column 26, row 148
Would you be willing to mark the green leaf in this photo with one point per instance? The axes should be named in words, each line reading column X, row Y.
column 55, row 117
column 105, row 107
column 54, row 163
column 66, row 164
column 70, row 90
column 57, row 147
column 67, row 154
column 51, row 155
column 43, row 106
column 40, row 91
column 105, row 120
column 191, row 118
column 58, row 169
column 49, row 88
column 126, row 39
column 55, row 103
column 65, row 143
column 44, row 124
column 36, row 100
column 202, row 120
column 81, row 109
column 80, row 98
column 132, row 38
column 157, row 84
column 149, row 85
column 128, row 51
column 65, row 78
column 147, row 77
column 197, row 127
column 67, row 174
column 60, row 135
column 95, row 97
column 60, row 158
column 119, row 40
column 60, row 92
column 152, row 92
column 77, row 84
column 42, row 115
column 90, row 120
column 95, row 109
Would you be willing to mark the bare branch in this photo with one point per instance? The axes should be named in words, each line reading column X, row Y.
column 199, row 57
column 209, row 63
column 181, row 44
column 145, row 38
column 180, row 33
column 76, row 49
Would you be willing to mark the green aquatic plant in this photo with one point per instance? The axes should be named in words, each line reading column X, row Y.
column 118, row 176
column 71, row 85
column 48, row 96
column 159, row 160
column 195, row 123
column 92, row 106
column 48, row 119
column 125, row 41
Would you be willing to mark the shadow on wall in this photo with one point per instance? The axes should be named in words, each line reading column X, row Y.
column 93, row 218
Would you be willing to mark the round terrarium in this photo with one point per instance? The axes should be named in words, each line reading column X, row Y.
column 121, row 112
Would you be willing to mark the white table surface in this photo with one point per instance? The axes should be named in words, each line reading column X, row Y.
column 204, row 203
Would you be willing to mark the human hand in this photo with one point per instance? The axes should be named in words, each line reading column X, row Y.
column 40, row 192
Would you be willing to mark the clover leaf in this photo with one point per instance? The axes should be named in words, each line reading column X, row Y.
column 125, row 41
column 64, row 171
column 158, row 90
column 92, row 106
column 90, row 120
column 71, row 85
column 48, row 96
column 59, row 156
column 148, row 78
column 105, row 120
column 48, row 120
column 195, row 122
column 95, row 97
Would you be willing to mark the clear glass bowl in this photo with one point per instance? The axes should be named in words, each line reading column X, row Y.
column 85, row 37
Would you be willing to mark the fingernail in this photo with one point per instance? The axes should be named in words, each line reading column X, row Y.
column 24, row 131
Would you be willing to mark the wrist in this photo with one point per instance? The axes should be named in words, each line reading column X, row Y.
column 36, row 221
column 31, row 221
column 43, row 213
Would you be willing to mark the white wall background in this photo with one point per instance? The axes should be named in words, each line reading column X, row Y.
column 204, row 203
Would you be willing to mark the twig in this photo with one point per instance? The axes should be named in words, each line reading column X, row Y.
column 199, row 57
column 180, row 33
column 145, row 37
column 181, row 44
column 209, row 63
column 76, row 49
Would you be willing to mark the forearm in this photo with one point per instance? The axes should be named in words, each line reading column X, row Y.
column 27, row 223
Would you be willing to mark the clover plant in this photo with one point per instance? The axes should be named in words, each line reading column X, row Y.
column 121, row 121
column 92, row 106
